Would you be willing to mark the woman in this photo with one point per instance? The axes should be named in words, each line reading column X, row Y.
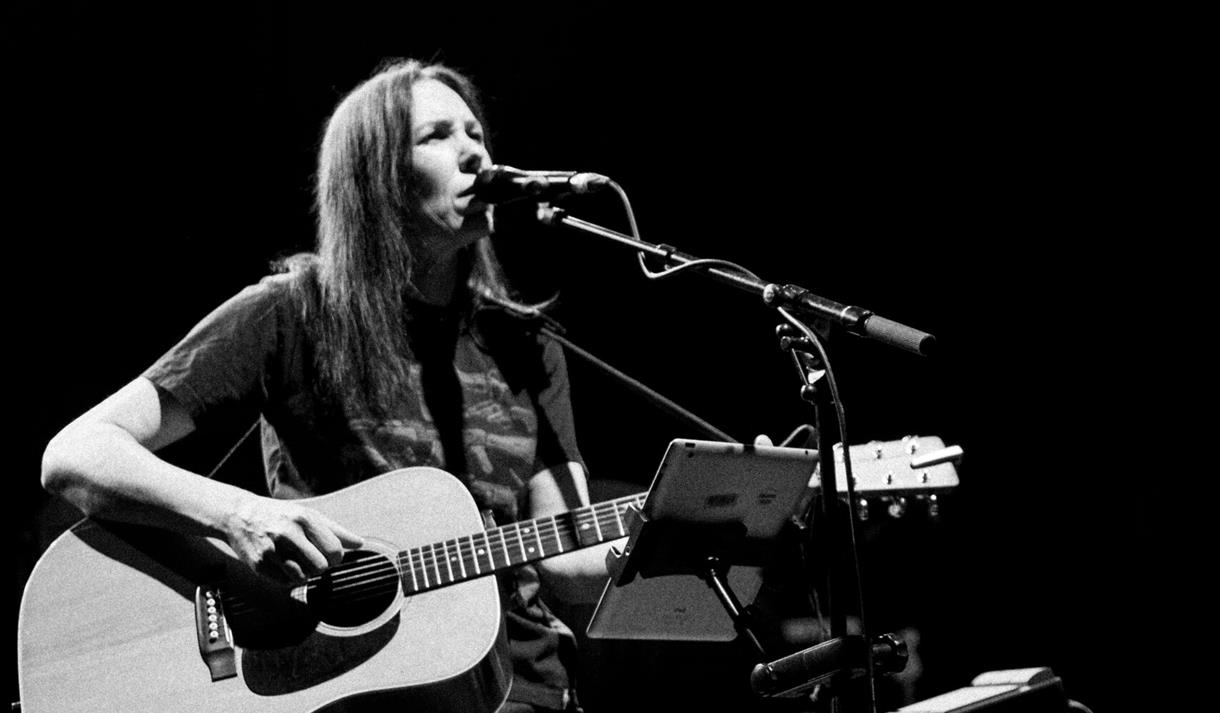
column 373, row 354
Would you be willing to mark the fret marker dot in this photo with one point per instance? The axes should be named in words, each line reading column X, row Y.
column 585, row 526
column 480, row 551
column 531, row 549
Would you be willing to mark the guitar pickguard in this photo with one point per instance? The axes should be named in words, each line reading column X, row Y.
column 319, row 658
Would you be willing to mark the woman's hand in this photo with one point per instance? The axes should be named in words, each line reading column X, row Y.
column 284, row 540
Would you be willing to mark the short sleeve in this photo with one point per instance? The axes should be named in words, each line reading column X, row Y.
column 221, row 368
column 556, row 431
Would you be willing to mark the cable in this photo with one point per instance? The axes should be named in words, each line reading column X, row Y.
column 233, row 449
column 806, row 429
column 668, row 272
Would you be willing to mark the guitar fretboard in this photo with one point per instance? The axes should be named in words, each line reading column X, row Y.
column 444, row 563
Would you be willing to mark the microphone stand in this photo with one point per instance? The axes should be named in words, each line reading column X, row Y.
column 854, row 320
column 841, row 657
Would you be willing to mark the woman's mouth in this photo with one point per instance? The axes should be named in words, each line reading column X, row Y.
column 469, row 205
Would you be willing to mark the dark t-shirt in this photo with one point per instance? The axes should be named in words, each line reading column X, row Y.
column 484, row 400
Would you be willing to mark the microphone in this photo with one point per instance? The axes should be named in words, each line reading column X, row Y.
column 504, row 184
column 796, row 673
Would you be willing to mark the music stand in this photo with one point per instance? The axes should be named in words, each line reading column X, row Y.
column 709, row 520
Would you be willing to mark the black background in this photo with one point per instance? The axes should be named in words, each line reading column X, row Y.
column 951, row 171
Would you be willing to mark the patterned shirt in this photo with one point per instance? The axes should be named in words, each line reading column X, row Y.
column 484, row 400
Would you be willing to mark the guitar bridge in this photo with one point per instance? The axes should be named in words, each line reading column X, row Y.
column 215, row 639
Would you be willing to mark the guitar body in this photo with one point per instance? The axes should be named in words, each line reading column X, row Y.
column 109, row 620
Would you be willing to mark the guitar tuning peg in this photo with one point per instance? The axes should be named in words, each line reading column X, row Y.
column 897, row 506
column 933, row 507
column 910, row 444
column 862, row 509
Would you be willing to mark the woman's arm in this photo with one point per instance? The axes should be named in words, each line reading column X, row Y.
column 576, row 577
column 103, row 463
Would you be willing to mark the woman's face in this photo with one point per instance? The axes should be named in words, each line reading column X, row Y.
column 447, row 153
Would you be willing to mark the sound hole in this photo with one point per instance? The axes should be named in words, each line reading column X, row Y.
column 355, row 591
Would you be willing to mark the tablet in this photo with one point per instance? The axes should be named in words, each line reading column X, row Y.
column 705, row 482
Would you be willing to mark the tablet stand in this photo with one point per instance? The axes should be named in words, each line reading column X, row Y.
column 674, row 547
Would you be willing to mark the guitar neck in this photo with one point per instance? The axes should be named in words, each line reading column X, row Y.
column 443, row 563
column 887, row 470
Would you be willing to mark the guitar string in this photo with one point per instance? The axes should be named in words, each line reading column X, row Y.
column 467, row 551
column 466, row 545
column 383, row 571
column 374, row 575
column 558, row 531
column 382, row 576
column 377, row 586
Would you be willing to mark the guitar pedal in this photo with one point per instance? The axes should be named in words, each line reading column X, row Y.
column 898, row 477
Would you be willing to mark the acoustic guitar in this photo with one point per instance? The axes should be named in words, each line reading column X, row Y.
column 120, row 617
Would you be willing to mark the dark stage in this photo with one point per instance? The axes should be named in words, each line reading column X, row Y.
column 944, row 171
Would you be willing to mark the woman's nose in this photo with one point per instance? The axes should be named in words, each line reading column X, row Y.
column 474, row 157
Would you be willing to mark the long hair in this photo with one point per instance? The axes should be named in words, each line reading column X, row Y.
column 366, row 200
